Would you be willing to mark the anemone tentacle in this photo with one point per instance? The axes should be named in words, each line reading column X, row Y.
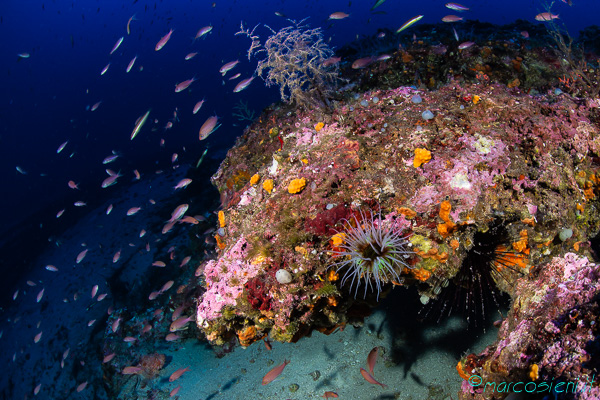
column 372, row 252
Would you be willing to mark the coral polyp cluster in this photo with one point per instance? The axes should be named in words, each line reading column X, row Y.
column 371, row 251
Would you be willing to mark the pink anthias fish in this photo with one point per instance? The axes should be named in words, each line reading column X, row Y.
column 81, row 387
column 171, row 337
column 168, row 285
column 73, row 185
column 208, row 127
column 456, row 7
column 189, row 56
column 235, row 76
column 243, row 85
column 331, row 61
column 465, row 45
column 372, row 359
column 130, row 65
column 189, row 220
column 111, row 180
column 546, row 16
column 451, row 18
column 179, row 212
column 362, row 62
column 173, row 392
column 115, row 324
column 81, row 256
column 228, row 67
column 203, row 31
column 110, row 158
column 185, row 261
column 61, row 147
column 183, row 183
column 177, row 374
column 105, row 69
column 95, row 106
column 198, row 106
column 338, row 15
column 184, row 85
column 132, row 18
column 180, row 323
column 369, row 378
column 274, row 373
column 163, row 40
column 133, row 211
column 131, row 370
column 108, row 357
column 177, row 313
column 116, row 46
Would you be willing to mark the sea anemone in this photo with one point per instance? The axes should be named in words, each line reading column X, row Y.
column 372, row 251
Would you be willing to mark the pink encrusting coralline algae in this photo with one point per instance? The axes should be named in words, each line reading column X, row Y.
column 549, row 329
column 225, row 279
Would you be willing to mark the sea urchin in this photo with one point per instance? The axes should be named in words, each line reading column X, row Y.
column 371, row 250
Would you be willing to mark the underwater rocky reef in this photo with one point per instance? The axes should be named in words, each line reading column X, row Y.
column 466, row 175
column 487, row 184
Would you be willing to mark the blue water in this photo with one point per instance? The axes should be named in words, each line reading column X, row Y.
column 45, row 98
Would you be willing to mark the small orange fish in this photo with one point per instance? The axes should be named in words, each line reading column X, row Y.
column 330, row 395
column 174, row 391
column 274, row 373
column 369, row 378
column 73, row 185
column 372, row 359
column 189, row 220
column 177, row 374
column 131, row 370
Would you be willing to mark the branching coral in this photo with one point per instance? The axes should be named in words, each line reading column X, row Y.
column 294, row 62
